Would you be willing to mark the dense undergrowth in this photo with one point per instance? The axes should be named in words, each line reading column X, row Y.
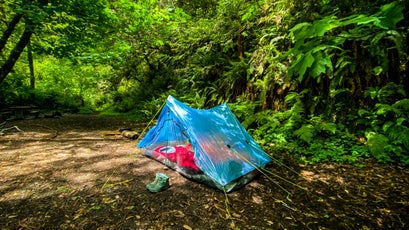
column 380, row 132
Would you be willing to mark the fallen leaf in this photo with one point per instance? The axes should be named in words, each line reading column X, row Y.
column 236, row 215
column 187, row 227
column 179, row 214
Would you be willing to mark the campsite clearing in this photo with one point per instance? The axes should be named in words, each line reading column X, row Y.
column 63, row 173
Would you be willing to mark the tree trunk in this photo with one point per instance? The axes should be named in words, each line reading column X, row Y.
column 15, row 53
column 9, row 31
column 31, row 65
column 240, row 45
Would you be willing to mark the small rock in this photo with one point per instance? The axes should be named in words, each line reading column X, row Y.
column 130, row 134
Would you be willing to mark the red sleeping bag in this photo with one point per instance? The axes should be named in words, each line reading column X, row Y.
column 181, row 155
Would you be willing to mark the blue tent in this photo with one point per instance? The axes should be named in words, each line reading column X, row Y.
column 209, row 146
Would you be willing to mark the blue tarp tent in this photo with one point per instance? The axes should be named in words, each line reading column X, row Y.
column 209, row 146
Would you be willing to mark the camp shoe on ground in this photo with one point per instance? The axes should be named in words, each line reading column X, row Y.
column 160, row 183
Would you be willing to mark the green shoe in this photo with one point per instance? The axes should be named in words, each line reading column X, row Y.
column 160, row 183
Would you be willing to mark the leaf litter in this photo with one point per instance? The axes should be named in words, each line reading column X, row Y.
column 62, row 173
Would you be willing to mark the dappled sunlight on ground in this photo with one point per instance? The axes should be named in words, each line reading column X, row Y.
column 62, row 173
column 79, row 162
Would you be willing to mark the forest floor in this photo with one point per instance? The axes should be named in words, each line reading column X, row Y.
column 67, row 173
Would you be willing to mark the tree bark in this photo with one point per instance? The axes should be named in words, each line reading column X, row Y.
column 31, row 65
column 9, row 31
column 240, row 44
column 15, row 53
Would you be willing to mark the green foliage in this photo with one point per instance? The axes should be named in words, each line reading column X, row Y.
column 316, row 140
column 313, row 139
column 244, row 111
column 316, row 42
column 387, row 124
column 327, row 53
column 59, row 84
column 14, row 91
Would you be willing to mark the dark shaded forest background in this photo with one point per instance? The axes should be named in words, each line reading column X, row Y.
column 321, row 80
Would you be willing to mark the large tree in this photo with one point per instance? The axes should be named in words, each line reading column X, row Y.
column 61, row 28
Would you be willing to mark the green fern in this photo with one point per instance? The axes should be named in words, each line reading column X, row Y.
column 292, row 98
column 399, row 135
column 385, row 109
column 377, row 143
column 328, row 127
column 402, row 105
column 305, row 133
column 402, row 121
column 390, row 93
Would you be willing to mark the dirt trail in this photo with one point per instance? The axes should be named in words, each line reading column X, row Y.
column 61, row 173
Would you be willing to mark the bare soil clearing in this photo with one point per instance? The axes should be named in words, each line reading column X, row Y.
column 61, row 173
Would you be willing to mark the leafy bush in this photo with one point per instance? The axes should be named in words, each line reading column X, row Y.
column 313, row 139
column 387, row 124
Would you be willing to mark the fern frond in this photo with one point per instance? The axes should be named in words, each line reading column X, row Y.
column 387, row 126
column 362, row 112
column 305, row 133
column 328, row 127
column 399, row 135
column 405, row 139
column 390, row 93
column 292, row 98
column 377, row 143
column 384, row 109
column 298, row 108
column 402, row 105
column 402, row 121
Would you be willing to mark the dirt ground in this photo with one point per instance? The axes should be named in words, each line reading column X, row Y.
column 66, row 173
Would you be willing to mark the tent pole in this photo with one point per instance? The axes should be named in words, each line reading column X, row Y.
column 150, row 122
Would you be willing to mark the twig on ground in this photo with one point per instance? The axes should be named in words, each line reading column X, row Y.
column 6, row 129
column 51, row 136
